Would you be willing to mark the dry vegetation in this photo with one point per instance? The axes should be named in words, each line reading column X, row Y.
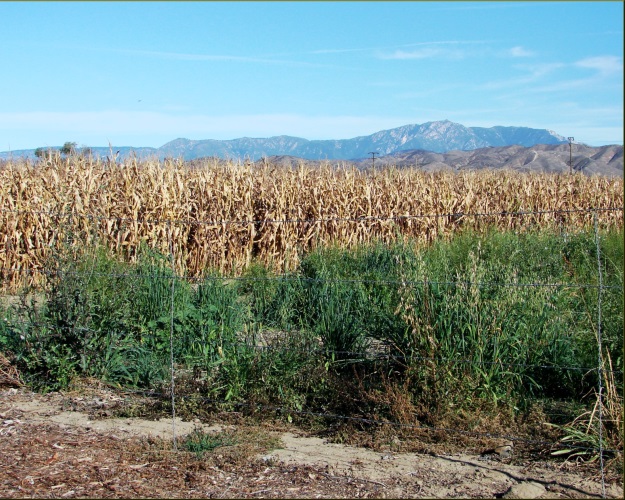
column 223, row 217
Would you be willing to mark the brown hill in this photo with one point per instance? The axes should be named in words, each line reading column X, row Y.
column 604, row 160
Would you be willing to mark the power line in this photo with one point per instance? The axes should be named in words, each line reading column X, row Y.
column 373, row 153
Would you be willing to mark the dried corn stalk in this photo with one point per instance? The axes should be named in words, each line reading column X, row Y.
column 223, row 216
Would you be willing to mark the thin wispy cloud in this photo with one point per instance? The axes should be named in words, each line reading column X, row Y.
column 275, row 59
column 178, row 56
column 532, row 74
column 424, row 53
column 519, row 51
column 605, row 65
column 446, row 42
column 381, row 49
column 428, row 50
column 552, row 78
column 454, row 50
column 339, row 51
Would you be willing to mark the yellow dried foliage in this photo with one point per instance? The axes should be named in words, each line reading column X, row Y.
column 223, row 216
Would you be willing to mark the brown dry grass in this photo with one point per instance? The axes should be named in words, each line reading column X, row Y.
column 211, row 208
column 49, row 461
column 9, row 376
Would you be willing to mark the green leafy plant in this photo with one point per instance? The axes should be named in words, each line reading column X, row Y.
column 200, row 442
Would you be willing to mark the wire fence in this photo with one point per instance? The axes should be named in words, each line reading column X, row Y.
column 8, row 273
column 455, row 216
column 232, row 243
column 386, row 352
column 379, row 352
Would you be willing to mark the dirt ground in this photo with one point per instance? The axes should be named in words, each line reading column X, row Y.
column 65, row 446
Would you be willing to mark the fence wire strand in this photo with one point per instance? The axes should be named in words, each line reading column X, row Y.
column 455, row 216
column 381, row 356
column 286, row 277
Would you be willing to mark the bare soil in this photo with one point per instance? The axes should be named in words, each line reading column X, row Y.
column 68, row 445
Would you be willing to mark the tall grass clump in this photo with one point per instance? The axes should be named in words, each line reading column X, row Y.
column 83, row 324
column 493, row 317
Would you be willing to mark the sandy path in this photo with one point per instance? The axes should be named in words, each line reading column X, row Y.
column 394, row 474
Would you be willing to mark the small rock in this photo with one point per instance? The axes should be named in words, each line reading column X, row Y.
column 504, row 451
column 527, row 490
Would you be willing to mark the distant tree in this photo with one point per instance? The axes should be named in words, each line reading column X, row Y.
column 46, row 152
column 86, row 151
column 68, row 148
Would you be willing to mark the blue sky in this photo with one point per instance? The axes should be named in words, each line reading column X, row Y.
column 145, row 73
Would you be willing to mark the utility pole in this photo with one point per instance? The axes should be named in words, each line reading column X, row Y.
column 373, row 153
column 571, row 139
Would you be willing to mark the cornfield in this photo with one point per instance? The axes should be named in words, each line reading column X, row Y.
column 225, row 216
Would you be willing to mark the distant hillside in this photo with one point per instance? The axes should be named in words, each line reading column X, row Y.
column 438, row 137
column 604, row 160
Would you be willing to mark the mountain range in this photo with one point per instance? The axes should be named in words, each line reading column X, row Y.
column 432, row 146
column 437, row 137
